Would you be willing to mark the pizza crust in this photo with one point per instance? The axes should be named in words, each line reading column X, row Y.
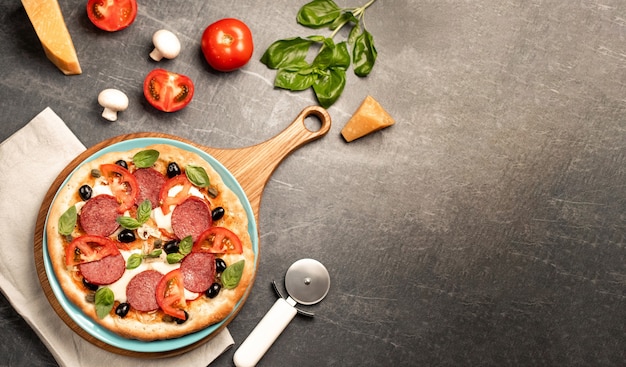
column 148, row 326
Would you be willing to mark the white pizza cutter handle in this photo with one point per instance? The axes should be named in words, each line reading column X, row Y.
column 265, row 333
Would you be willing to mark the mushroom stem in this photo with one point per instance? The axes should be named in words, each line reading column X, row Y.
column 109, row 114
column 156, row 55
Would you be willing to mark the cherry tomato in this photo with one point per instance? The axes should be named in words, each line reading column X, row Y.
column 89, row 248
column 167, row 91
column 218, row 240
column 170, row 294
column 227, row 44
column 112, row 15
column 123, row 185
column 166, row 200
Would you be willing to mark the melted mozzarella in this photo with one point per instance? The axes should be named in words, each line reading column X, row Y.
column 101, row 187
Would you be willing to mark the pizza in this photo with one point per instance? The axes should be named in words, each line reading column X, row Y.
column 150, row 243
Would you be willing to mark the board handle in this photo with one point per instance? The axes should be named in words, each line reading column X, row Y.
column 253, row 166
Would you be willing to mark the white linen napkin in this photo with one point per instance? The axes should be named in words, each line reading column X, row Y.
column 31, row 159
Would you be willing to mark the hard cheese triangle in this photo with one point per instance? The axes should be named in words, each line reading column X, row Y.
column 369, row 117
column 47, row 19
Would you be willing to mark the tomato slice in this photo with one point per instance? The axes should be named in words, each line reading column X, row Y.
column 112, row 15
column 181, row 196
column 218, row 240
column 167, row 91
column 123, row 185
column 170, row 294
column 89, row 248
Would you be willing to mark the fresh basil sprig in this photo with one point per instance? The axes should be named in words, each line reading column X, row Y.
column 326, row 74
column 143, row 214
column 67, row 221
column 145, row 158
column 135, row 260
column 232, row 274
column 197, row 176
column 184, row 248
column 104, row 300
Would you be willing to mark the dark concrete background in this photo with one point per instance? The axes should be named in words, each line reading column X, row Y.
column 487, row 227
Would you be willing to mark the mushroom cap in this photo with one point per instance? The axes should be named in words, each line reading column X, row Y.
column 166, row 43
column 113, row 99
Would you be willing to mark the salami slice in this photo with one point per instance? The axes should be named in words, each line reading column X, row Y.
column 150, row 182
column 198, row 270
column 191, row 218
column 104, row 271
column 98, row 215
column 141, row 290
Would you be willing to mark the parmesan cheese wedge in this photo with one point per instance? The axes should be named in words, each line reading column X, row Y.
column 369, row 117
column 47, row 19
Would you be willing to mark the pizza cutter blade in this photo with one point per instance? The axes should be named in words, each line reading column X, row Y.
column 307, row 282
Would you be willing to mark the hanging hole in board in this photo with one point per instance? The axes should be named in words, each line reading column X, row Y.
column 313, row 123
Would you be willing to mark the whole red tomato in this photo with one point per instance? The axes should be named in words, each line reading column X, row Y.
column 227, row 44
column 112, row 15
column 167, row 91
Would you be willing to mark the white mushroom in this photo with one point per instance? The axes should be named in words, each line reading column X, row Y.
column 112, row 100
column 166, row 44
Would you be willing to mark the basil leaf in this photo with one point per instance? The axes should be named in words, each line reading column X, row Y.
column 364, row 53
column 197, row 175
column 134, row 261
column 318, row 13
column 354, row 33
column 67, row 221
column 104, row 301
column 343, row 19
column 143, row 211
column 232, row 274
column 185, row 245
column 174, row 257
column 328, row 87
column 145, row 158
column 287, row 52
column 128, row 222
column 332, row 55
column 154, row 253
column 294, row 80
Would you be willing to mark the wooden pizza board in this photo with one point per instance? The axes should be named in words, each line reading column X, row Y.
column 252, row 167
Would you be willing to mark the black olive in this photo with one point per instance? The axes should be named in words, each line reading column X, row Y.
column 126, row 236
column 180, row 321
column 213, row 290
column 122, row 309
column 173, row 170
column 220, row 265
column 171, row 247
column 217, row 213
column 90, row 286
column 85, row 192
column 122, row 163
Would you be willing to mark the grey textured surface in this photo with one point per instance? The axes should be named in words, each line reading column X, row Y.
column 487, row 227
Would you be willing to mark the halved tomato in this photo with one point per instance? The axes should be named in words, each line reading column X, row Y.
column 170, row 294
column 218, row 240
column 112, row 15
column 167, row 91
column 166, row 200
column 89, row 248
column 123, row 185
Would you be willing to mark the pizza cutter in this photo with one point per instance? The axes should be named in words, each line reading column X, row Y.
column 307, row 282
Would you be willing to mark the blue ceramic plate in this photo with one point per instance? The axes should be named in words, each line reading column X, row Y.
column 113, row 339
